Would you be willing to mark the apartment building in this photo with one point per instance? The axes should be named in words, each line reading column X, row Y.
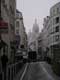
column 20, row 30
column 51, row 32
column 7, row 30
column 40, row 46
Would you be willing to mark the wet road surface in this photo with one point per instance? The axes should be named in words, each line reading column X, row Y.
column 39, row 71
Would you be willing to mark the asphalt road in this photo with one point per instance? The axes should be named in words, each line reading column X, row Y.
column 39, row 71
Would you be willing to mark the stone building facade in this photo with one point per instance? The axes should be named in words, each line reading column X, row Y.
column 20, row 30
column 51, row 32
column 8, row 12
column 40, row 46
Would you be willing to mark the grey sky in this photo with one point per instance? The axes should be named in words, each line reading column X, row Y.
column 32, row 9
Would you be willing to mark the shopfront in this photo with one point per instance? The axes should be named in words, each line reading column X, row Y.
column 3, row 31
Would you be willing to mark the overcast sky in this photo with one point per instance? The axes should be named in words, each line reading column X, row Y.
column 32, row 9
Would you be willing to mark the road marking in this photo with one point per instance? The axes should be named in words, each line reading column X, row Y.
column 47, row 72
column 24, row 72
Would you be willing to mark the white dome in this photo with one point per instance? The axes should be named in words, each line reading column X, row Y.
column 35, row 27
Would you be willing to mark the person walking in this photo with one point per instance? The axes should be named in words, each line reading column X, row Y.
column 4, row 60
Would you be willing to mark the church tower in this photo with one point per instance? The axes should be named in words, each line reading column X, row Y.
column 35, row 27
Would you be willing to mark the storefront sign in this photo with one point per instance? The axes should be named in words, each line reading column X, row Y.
column 3, row 26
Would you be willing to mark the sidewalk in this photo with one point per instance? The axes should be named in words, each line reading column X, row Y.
column 20, row 73
column 49, row 70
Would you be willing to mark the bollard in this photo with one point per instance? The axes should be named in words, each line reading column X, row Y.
column 9, row 73
column 1, row 76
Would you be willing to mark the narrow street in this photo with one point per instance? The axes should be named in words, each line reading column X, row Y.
column 29, row 39
column 39, row 71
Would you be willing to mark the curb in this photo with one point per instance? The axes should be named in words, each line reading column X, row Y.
column 18, row 75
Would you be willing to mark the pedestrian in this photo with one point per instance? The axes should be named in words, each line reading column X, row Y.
column 4, row 60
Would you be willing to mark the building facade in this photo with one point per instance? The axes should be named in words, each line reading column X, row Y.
column 40, row 46
column 8, row 12
column 20, row 30
column 51, row 32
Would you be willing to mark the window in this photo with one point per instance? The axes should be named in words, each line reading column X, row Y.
column 51, row 13
column 54, row 21
column 21, row 18
column 3, row 1
column 57, row 10
column 57, row 19
column 54, row 12
column 57, row 38
column 11, row 10
column 12, row 27
column 17, row 31
column 17, row 15
column 52, row 30
column 17, row 23
column 57, row 29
